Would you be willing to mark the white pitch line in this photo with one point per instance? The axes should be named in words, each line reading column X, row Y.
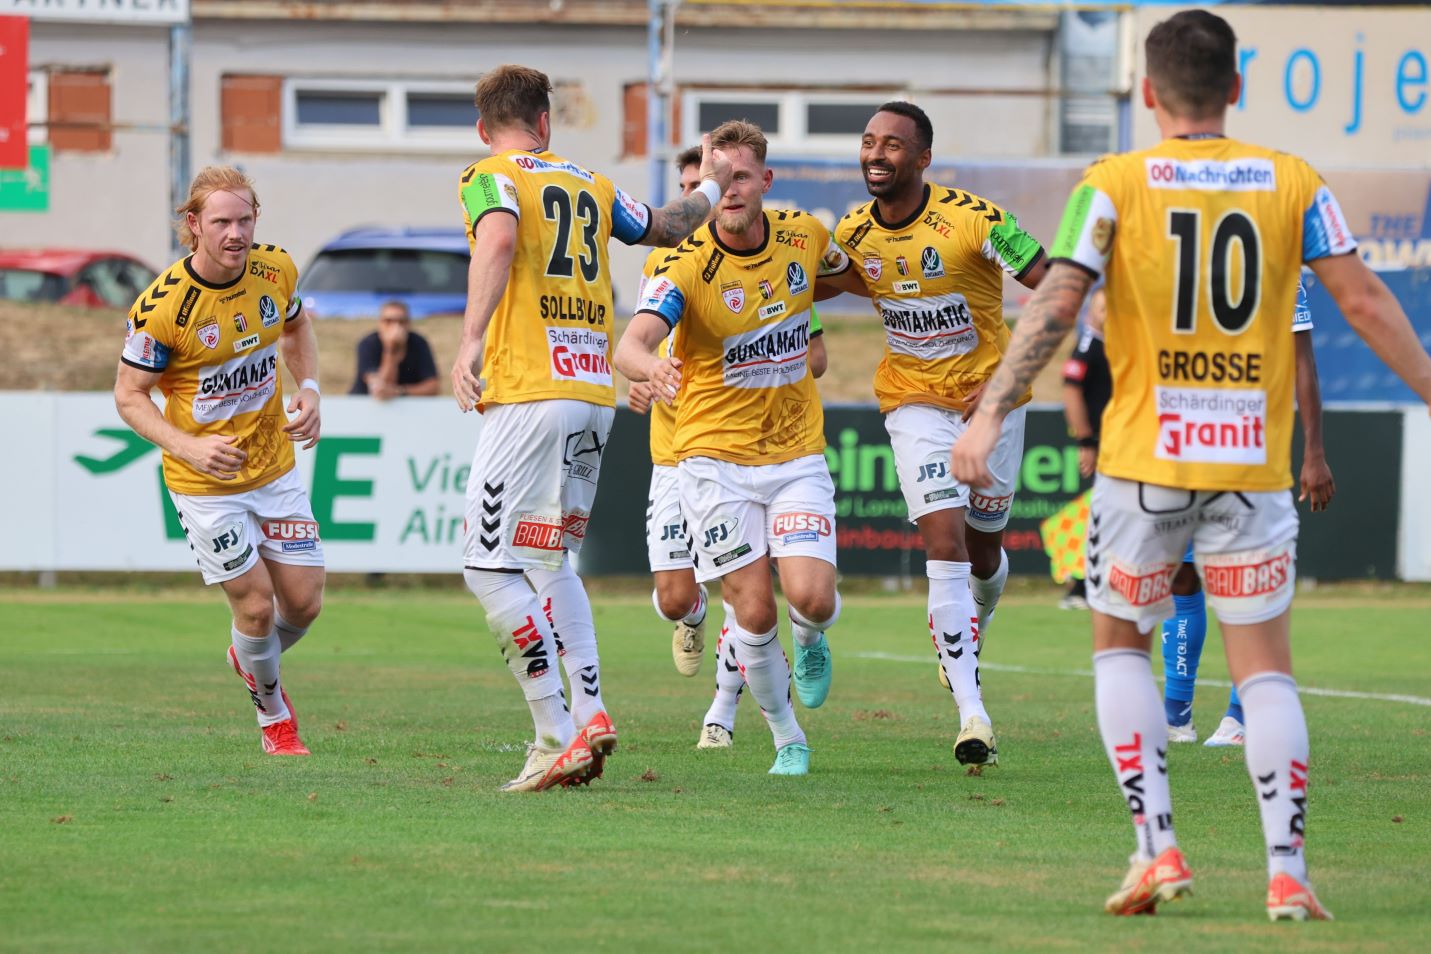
column 1088, row 673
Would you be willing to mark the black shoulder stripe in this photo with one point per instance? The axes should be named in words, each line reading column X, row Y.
column 713, row 266
column 187, row 305
column 860, row 232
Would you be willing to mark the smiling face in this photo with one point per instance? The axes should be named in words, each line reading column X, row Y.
column 223, row 229
column 891, row 158
column 740, row 207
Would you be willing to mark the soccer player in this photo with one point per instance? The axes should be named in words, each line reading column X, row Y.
column 1185, row 631
column 749, row 437
column 208, row 333
column 1086, row 389
column 537, row 325
column 677, row 596
column 934, row 259
column 1200, row 239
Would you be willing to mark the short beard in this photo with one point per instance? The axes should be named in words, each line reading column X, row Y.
column 738, row 225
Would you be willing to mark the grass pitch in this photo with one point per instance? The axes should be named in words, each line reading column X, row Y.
column 138, row 814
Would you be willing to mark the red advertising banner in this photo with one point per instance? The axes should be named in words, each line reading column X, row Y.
column 14, row 73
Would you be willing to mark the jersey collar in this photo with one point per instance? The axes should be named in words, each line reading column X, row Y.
column 907, row 221
column 189, row 267
column 748, row 253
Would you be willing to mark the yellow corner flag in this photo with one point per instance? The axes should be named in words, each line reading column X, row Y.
column 1063, row 535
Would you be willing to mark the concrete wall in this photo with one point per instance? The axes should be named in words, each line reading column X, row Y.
column 121, row 199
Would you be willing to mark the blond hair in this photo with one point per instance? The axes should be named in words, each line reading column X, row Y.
column 739, row 132
column 210, row 179
column 513, row 95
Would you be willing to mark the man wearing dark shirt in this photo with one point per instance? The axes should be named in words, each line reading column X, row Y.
column 1087, row 385
column 395, row 361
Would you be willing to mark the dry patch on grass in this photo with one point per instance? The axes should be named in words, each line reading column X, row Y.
column 57, row 348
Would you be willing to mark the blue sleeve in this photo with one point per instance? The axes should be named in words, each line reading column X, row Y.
column 1324, row 229
column 662, row 297
column 630, row 220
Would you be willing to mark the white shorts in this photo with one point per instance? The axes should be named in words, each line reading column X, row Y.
column 229, row 532
column 1244, row 545
column 922, row 437
column 668, row 542
column 532, row 483
column 737, row 512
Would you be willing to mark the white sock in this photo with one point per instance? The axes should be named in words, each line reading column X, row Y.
column 258, row 657
column 987, row 593
column 729, row 681
column 288, row 634
column 698, row 612
column 953, row 625
column 524, row 636
column 807, row 632
column 566, row 606
column 767, row 672
column 1135, row 736
column 1276, row 753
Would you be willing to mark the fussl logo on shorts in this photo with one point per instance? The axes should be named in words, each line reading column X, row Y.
column 292, row 535
column 1139, row 588
column 797, row 526
column 987, row 506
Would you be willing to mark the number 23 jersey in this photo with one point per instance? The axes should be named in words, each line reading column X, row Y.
column 1202, row 242
column 550, row 336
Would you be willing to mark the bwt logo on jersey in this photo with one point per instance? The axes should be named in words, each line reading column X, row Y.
column 1211, row 426
column 800, row 527
column 1253, row 579
column 579, row 354
column 1210, row 175
column 536, row 532
column 292, row 535
column 1142, row 586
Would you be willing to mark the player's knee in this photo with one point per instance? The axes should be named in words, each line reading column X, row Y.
column 302, row 612
column 819, row 608
column 756, row 620
column 253, row 616
column 675, row 600
column 951, row 551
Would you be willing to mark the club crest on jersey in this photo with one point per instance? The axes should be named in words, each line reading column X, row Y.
column 901, row 264
column 209, row 333
column 874, row 268
column 931, row 263
column 240, row 323
column 767, row 291
column 734, row 295
column 267, row 311
column 795, row 279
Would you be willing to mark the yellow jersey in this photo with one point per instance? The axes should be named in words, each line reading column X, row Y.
column 215, row 348
column 743, row 319
column 937, row 282
column 1201, row 241
column 550, row 336
column 663, row 415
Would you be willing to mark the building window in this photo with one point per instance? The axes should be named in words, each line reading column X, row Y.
column 360, row 115
column 807, row 122
column 78, row 110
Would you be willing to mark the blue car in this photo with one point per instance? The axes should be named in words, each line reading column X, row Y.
column 356, row 272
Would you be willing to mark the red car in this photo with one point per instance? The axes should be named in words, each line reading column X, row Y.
column 73, row 277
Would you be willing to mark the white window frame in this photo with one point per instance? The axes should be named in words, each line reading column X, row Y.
column 793, row 138
column 37, row 106
column 389, row 133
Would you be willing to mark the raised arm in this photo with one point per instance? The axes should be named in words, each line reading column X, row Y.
column 675, row 220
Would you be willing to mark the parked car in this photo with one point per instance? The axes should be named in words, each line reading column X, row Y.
column 356, row 272
column 73, row 277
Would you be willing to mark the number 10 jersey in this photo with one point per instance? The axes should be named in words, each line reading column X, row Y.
column 1202, row 242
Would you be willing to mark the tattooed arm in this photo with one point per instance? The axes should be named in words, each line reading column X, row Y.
column 1051, row 312
column 672, row 222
